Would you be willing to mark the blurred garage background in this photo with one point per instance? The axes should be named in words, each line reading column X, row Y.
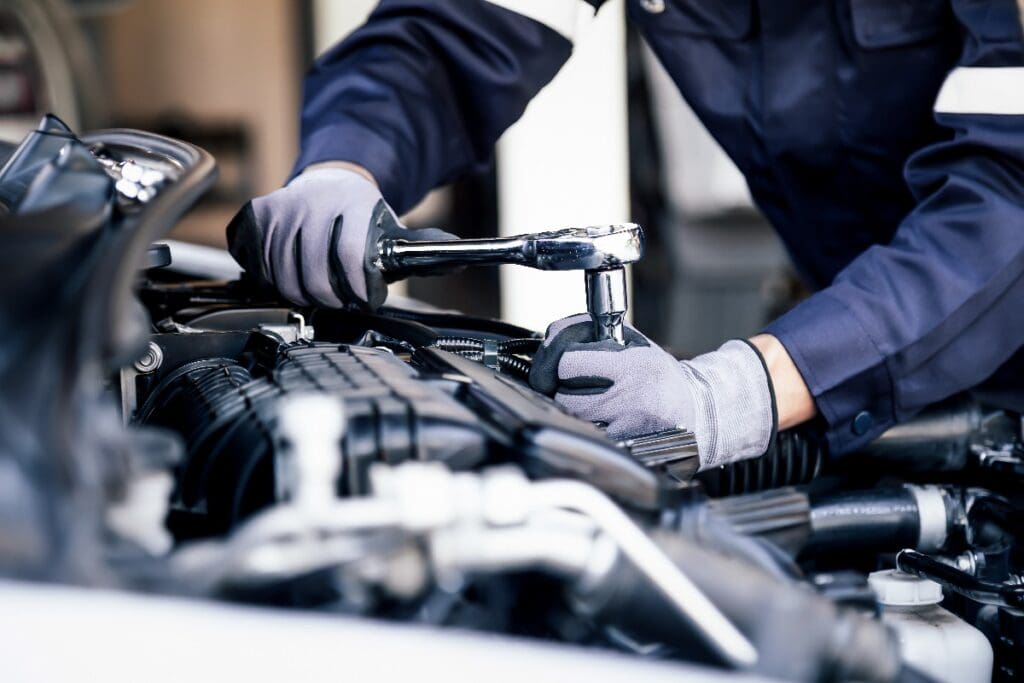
column 227, row 75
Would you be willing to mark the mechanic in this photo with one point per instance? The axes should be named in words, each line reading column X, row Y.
column 883, row 139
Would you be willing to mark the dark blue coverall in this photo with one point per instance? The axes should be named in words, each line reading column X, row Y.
column 883, row 139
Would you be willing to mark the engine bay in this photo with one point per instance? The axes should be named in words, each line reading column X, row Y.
column 395, row 465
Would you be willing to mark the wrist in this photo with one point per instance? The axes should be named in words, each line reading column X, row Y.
column 794, row 401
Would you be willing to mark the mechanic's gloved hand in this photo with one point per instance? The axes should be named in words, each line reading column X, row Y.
column 315, row 240
column 725, row 397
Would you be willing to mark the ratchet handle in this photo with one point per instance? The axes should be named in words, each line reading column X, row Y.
column 602, row 252
column 592, row 248
column 407, row 257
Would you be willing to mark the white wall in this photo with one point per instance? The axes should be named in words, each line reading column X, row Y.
column 567, row 163
column 334, row 19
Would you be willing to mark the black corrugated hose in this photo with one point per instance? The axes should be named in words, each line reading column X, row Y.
column 509, row 352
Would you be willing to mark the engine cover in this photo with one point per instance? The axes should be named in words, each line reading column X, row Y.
column 227, row 416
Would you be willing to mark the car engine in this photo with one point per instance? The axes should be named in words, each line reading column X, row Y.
column 164, row 433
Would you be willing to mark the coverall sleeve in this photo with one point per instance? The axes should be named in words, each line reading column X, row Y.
column 938, row 309
column 422, row 91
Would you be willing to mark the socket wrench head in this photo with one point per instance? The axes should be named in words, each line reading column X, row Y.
column 607, row 303
column 600, row 247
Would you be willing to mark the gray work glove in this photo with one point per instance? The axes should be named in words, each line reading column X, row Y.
column 315, row 240
column 724, row 397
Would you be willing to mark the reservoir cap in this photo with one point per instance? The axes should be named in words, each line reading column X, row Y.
column 898, row 589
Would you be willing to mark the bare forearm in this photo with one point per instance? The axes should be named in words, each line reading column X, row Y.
column 792, row 397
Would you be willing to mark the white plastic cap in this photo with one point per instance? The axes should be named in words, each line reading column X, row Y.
column 898, row 589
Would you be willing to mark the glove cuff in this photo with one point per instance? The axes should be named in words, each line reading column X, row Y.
column 771, row 396
column 336, row 174
column 734, row 404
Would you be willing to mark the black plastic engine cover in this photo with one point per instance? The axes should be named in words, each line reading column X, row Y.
column 227, row 416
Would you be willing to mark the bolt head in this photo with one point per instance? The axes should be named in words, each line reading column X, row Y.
column 151, row 360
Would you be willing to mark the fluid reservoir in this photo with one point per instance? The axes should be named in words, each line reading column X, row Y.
column 933, row 640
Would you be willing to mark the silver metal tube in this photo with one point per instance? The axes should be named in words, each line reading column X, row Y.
column 687, row 598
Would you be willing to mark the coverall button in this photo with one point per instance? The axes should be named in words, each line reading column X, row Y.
column 653, row 6
column 862, row 423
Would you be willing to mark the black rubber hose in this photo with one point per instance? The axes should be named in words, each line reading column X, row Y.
column 953, row 579
column 937, row 440
column 885, row 519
